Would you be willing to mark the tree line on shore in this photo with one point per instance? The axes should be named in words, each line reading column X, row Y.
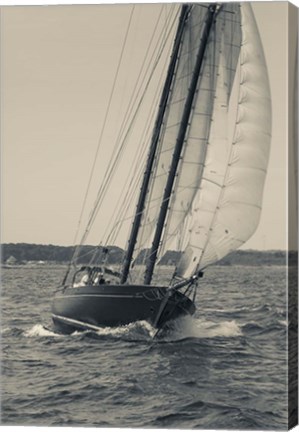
column 25, row 252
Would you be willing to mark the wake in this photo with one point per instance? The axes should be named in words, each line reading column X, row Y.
column 189, row 327
column 183, row 328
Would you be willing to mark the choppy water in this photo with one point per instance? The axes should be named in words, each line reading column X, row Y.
column 224, row 368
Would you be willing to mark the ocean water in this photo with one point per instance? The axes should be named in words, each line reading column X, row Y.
column 224, row 368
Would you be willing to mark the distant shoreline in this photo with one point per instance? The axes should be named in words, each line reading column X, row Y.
column 23, row 253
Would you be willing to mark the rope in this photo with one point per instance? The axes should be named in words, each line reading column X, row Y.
column 137, row 168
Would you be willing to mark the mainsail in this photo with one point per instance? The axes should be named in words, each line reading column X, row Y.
column 215, row 201
column 229, row 205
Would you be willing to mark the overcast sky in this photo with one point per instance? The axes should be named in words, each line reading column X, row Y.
column 57, row 70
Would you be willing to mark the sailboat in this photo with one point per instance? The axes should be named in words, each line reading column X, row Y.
column 203, row 181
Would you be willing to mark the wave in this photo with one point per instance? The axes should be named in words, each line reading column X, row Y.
column 284, row 323
column 183, row 328
column 5, row 330
column 139, row 331
column 38, row 330
column 198, row 328
column 257, row 329
column 252, row 327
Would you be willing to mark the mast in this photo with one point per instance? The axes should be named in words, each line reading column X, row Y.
column 179, row 145
column 154, row 144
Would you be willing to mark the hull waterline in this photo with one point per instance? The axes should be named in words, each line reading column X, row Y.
column 94, row 307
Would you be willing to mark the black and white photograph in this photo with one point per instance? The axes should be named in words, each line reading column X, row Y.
column 149, row 259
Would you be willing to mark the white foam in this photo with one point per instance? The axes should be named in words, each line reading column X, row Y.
column 184, row 328
column 199, row 328
column 128, row 329
column 284, row 322
column 39, row 331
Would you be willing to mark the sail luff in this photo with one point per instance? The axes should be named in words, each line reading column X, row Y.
column 179, row 145
column 153, row 147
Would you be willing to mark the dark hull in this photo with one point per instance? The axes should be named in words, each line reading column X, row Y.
column 91, row 307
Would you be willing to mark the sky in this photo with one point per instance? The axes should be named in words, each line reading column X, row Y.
column 57, row 70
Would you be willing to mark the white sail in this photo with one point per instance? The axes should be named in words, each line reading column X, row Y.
column 227, row 207
column 213, row 94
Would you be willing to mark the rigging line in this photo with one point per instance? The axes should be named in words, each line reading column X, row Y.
column 103, row 188
column 91, row 251
column 138, row 165
column 123, row 206
column 122, row 210
column 144, row 92
column 182, row 190
column 190, row 185
column 156, row 48
column 126, row 202
column 129, row 109
column 134, row 97
column 131, row 190
column 162, row 47
column 133, row 102
column 105, row 121
column 117, row 225
column 121, row 217
column 135, row 180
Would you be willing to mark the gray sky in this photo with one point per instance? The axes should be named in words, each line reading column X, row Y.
column 57, row 70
